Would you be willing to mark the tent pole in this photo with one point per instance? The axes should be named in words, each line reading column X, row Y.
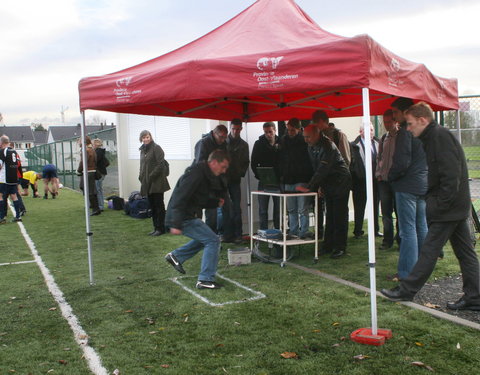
column 86, row 199
column 370, row 214
column 250, row 219
column 372, row 335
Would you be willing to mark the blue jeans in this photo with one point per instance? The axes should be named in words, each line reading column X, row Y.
column 202, row 238
column 412, row 225
column 298, row 207
column 99, row 186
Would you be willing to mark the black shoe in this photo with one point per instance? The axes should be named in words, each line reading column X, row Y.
column 95, row 213
column 3, row 221
column 156, row 233
column 170, row 258
column 152, row 232
column 396, row 294
column 208, row 285
column 378, row 234
column 385, row 246
column 337, row 254
column 227, row 239
column 462, row 304
column 54, row 196
column 45, row 196
column 23, row 212
column 16, row 219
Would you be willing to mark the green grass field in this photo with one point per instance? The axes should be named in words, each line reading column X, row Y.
column 140, row 322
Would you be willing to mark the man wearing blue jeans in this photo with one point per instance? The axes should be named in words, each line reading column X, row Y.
column 448, row 210
column 296, row 171
column 408, row 177
column 195, row 190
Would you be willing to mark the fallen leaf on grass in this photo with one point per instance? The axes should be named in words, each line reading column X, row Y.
column 129, row 311
column 421, row 364
column 361, row 357
column 335, row 345
column 335, row 324
column 219, row 345
column 288, row 355
column 62, row 362
column 458, row 345
column 116, row 372
column 150, row 321
column 152, row 332
column 316, row 330
column 431, row 305
column 419, row 344
column 165, row 366
column 52, row 309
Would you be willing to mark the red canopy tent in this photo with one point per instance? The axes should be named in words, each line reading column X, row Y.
column 271, row 62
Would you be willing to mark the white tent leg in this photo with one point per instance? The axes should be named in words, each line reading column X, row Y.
column 370, row 201
column 87, row 201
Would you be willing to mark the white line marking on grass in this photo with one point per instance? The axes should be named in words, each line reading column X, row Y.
column 257, row 294
column 93, row 359
column 20, row 262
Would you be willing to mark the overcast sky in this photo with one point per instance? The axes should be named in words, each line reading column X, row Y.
column 49, row 45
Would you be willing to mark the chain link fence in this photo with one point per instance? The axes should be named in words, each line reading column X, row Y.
column 65, row 154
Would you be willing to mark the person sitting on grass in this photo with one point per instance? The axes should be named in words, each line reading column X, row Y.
column 195, row 190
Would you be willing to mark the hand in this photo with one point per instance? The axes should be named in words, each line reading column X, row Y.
column 302, row 189
column 175, row 231
column 221, row 202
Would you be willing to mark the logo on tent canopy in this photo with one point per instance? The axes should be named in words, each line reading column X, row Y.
column 121, row 92
column 394, row 73
column 267, row 77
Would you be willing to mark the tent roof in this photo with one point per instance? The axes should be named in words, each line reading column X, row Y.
column 270, row 62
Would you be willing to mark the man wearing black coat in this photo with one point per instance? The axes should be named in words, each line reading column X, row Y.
column 238, row 152
column 296, row 170
column 359, row 182
column 214, row 140
column 265, row 153
column 448, row 208
column 331, row 178
column 196, row 190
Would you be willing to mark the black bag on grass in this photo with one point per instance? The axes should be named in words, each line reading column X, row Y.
column 115, row 202
column 137, row 206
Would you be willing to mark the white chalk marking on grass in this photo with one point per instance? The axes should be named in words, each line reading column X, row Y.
column 93, row 359
column 257, row 294
column 20, row 262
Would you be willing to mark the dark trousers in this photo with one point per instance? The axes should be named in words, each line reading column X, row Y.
column 232, row 213
column 263, row 201
column 359, row 194
column 336, row 222
column 157, row 205
column 387, row 203
column 320, row 215
column 458, row 232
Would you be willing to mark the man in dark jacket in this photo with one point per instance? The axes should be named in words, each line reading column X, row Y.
column 214, row 140
column 239, row 161
column 265, row 153
column 194, row 191
column 8, row 179
column 448, row 208
column 408, row 178
column 359, row 181
column 331, row 178
column 296, row 170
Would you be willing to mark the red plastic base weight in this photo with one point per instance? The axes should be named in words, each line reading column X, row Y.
column 365, row 336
